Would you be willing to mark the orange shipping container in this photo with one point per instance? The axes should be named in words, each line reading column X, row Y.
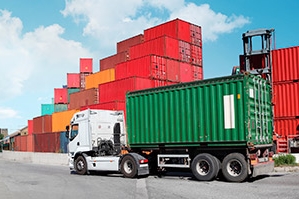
column 93, row 80
column 61, row 119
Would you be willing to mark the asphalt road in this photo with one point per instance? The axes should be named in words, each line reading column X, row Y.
column 25, row 180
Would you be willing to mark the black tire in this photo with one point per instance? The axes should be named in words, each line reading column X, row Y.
column 204, row 167
column 80, row 165
column 218, row 166
column 234, row 167
column 128, row 167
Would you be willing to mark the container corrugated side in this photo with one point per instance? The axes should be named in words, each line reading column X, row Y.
column 47, row 142
column 111, row 61
column 285, row 64
column 233, row 110
column 127, row 43
column 177, row 28
column 116, row 90
column 42, row 124
column 285, row 99
column 285, row 127
column 30, row 126
column 162, row 46
column 83, row 98
column 101, row 77
column 61, row 119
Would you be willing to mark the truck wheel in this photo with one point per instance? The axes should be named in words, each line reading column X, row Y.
column 205, row 167
column 80, row 165
column 234, row 167
column 128, row 167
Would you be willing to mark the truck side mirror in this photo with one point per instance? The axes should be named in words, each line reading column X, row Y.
column 67, row 128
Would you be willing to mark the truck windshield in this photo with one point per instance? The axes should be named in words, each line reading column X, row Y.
column 74, row 131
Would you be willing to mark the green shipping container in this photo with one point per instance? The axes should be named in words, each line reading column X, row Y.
column 226, row 111
column 60, row 107
column 47, row 109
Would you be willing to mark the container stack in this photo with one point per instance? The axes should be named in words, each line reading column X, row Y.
column 285, row 64
column 166, row 54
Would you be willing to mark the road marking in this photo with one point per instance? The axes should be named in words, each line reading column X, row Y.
column 141, row 190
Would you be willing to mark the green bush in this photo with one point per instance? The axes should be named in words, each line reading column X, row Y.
column 286, row 159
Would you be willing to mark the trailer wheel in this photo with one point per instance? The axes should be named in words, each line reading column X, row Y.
column 80, row 165
column 234, row 167
column 205, row 167
column 128, row 167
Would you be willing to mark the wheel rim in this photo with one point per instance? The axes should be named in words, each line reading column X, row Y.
column 128, row 167
column 80, row 165
column 203, row 167
column 234, row 168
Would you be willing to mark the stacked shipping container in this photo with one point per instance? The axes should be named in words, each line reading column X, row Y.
column 166, row 54
column 285, row 64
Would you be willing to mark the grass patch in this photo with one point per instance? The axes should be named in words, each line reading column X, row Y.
column 285, row 160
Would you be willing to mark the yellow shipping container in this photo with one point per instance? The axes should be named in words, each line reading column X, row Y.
column 93, row 80
column 61, row 119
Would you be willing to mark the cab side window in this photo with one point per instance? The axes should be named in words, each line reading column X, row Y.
column 74, row 131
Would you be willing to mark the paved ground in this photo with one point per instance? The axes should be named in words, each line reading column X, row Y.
column 30, row 181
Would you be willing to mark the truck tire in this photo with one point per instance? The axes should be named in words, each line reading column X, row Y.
column 234, row 167
column 205, row 167
column 80, row 165
column 128, row 167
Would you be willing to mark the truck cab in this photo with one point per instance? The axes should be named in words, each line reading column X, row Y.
column 98, row 142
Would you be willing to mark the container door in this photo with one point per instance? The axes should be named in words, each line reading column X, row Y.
column 260, row 125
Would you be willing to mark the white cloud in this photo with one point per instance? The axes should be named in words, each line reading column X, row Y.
column 35, row 60
column 7, row 113
column 108, row 22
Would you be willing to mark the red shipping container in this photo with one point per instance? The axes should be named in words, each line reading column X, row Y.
column 116, row 90
column 285, row 99
column 42, row 124
column 159, row 83
column 151, row 66
column 162, row 46
column 60, row 96
column 126, row 44
column 286, row 127
column 47, row 142
column 85, row 65
column 195, row 34
column 197, row 72
column 285, row 64
column 173, row 70
column 73, row 80
column 20, row 143
column 30, row 127
column 177, row 28
column 111, row 61
column 83, row 98
column 196, row 55
column 186, row 72
column 184, row 51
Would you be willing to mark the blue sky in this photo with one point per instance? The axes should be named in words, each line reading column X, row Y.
column 41, row 40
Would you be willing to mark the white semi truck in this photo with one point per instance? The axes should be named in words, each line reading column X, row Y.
column 97, row 142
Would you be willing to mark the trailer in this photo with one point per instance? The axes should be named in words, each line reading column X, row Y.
column 215, row 125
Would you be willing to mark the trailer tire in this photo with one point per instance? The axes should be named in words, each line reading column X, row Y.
column 128, row 167
column 205, row 167
column 234, row 167
column 80, row 165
